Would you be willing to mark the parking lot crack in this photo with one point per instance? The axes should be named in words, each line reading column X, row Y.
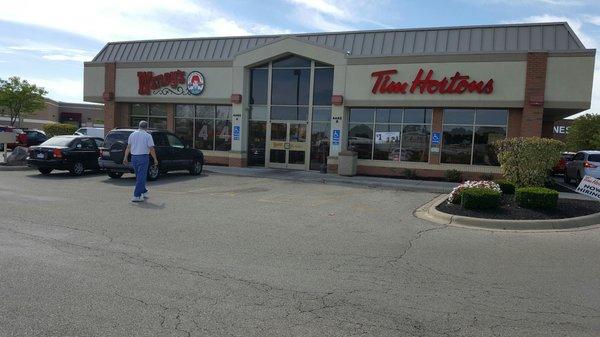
column 410, row 244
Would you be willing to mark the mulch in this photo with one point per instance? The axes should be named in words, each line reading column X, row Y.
column 509, row 210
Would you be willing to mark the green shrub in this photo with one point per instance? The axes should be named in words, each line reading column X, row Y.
column 56, row 129
column 453, row 175
column 480, row 198
column 528, row 161
column 536, row 197
column 506, row 186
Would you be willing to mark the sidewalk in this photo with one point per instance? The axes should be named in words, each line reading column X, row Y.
column 372, row 182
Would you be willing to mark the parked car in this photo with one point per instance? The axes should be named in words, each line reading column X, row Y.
column 20, row 137
column 559, row 168
column 34, row 137
column 171, row 153
column 584, row 163
column 73, row 153
column 91, row 132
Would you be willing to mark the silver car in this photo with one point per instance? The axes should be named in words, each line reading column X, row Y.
column 584, row 163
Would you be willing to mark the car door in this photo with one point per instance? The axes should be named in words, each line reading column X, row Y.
column 163, row 150
column 180, row 158
column 574, row 166
column 89, row 153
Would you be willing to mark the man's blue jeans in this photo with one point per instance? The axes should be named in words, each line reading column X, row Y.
column 140, row 167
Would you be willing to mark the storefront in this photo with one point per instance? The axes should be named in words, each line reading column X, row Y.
column 426, row 100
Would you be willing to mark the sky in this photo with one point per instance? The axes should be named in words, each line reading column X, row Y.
column 46, row 42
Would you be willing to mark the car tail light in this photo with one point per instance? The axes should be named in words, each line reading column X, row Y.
column 57, row 153
column 587, row 164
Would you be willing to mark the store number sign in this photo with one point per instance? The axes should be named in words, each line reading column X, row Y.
column 387, row 137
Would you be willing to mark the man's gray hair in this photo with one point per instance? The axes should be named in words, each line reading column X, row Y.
column 143, row 125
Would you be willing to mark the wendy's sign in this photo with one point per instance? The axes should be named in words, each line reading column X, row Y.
column 149, row 82
column 426, row 84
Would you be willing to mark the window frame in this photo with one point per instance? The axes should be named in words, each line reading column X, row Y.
column 147, row 114
column 213, row 120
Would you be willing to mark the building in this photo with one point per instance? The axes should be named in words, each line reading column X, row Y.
column 428, row 100
column 79, row 114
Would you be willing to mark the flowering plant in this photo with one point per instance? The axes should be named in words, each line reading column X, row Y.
column 456, row 192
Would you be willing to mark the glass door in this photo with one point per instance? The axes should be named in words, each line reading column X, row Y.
column 288, row 145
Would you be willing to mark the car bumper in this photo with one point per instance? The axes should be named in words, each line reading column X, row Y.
column 110, row 165
column 56, row 164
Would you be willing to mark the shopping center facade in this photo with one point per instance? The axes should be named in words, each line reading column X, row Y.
column 426, row 100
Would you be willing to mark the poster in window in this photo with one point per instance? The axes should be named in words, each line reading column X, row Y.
column 387, row 137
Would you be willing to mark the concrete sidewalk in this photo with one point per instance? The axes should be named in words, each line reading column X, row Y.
column 372, row 182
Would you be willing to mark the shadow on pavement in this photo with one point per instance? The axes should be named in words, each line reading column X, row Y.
column 63, row 175
column 171, row 177
column 149, row 205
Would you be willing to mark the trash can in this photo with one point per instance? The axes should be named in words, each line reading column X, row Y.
column 347, row 161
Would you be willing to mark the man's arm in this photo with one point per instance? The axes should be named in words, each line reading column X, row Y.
column 127, row 150
column 153, row 154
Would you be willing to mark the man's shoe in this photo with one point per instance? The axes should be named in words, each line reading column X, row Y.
column 145, row 195
column 137, row 199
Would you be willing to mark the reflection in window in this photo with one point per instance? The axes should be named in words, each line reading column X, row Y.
column 154, row 114
column 259, row 79
column 290, row 86
column 205, row 127
column 323, row 86
column 360, row 140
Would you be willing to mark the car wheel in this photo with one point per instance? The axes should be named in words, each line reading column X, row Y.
column 196, row 168
column 115, row 175
column 77, row 169
column 153, row 172
column 566, row 178
column 45, row 170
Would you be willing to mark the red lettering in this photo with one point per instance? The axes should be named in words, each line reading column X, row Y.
column 488, row 88
column 148, row 82
column 380, row 76
column 457, row 84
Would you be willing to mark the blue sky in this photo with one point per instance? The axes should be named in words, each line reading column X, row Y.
column 47, row 42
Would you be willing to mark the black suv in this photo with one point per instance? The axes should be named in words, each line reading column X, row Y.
column 171, row 153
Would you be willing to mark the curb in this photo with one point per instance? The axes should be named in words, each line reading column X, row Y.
column 430, row 213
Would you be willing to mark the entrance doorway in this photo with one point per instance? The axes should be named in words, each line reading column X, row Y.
column 287, row 145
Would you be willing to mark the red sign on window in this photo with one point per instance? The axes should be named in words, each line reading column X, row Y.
column 148, row 81
column 426, row 84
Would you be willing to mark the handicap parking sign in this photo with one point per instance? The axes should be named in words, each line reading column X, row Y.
column 436, row 137
column 336, row 137
column 236, row 132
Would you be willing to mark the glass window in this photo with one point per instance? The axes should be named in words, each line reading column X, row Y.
column 384, row 115
column 135, row 121
column 60, row 141
column 594, row 158
column 321, row 114
column 184, row 128
column 417, row 116
column 459, row 116
column 456, row 144
column 139, row 109
column 387, row 141
column 160, row 139
column 223, row 135
column 259, row 113
column 158, row 110
column 259, row 79
column 204, row 134
column 415, row 143
column 184, row 110
column 205, row 111
column 323, row 86
column 292, row 62
column 88, row 144
column 223, row 112
column 491, row 117
column 157, row 123
column 257, row 132
column 297, row 132
column 279, row 132
column 289, row 113
column 290, row 86
column 113, row 137
column 361, row 115
column 319, row 144
column 483, row 151
column 360, row 139
column 174, row 141
column 322, row 65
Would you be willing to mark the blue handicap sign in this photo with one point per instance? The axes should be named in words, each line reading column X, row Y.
column 436, row 138
column 336, row 137
column 236, row 132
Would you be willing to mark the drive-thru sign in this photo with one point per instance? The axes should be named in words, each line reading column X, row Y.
column 589, row 186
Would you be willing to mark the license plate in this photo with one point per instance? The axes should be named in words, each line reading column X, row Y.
column 40, row 156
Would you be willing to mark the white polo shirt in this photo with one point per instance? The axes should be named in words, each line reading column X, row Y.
column 140, row 142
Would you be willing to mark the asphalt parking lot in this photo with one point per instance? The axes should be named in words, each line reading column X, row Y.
column 221, row 255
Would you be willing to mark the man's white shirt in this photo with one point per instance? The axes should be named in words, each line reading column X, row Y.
column 140, row 142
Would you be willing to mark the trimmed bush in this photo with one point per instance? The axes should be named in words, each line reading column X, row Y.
column 57, row 129
column 480, row 198
column 456, row 194
column 506, row 186
column 528, row 161
column 453, row 175
column 536, row 197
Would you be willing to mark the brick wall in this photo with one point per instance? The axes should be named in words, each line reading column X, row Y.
column 436, row 126
column 515, row 115
column 110, row 116
column 535, row 86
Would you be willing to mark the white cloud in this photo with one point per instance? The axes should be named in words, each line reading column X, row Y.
column 67, row 89
column 322, row 7
column 52, row 52
column 111, row 20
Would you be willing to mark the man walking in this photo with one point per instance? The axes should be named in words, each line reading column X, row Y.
column 139, row 144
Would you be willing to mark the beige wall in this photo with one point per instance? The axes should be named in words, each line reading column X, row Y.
column 217, row 89
column 569, row 82
column 509, row 84
column 93, row 83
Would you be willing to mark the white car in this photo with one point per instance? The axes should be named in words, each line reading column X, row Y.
column 91, row 132
column 584, row 163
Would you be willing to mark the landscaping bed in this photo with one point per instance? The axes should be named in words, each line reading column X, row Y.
column 509, row 210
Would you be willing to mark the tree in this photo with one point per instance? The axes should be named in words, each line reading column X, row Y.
column 20, row 98
column 584, row 133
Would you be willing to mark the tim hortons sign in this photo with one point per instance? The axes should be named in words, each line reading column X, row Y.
column 424, row 83
column 170, row 83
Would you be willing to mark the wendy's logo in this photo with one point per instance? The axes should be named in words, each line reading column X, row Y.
column 195, row 83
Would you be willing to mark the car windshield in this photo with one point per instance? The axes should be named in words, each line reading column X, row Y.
column 82, row 131
column 594, row 157
column 58, row 141
column 116, row 136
